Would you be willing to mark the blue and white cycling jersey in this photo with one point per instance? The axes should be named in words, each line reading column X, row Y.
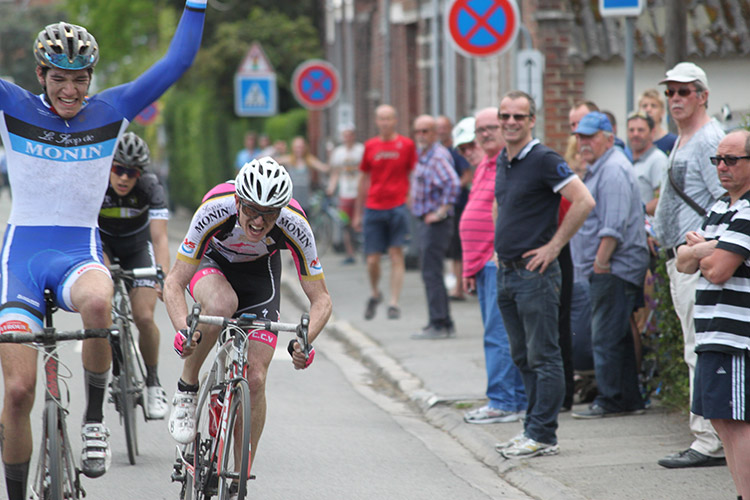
column 59, row 169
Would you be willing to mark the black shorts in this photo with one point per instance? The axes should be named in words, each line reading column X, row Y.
column 256, row 283
column 132, row 252
column 720, row 387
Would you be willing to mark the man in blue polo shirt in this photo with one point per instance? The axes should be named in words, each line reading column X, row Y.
column 530, row 179
column 610, row 252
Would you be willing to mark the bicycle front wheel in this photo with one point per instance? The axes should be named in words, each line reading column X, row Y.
column 234, row 468
column 128, row 383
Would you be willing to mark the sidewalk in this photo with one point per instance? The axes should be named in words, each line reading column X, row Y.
column 613, row 458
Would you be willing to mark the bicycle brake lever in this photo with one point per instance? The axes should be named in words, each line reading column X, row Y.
column 192, row 321
column 304, row 323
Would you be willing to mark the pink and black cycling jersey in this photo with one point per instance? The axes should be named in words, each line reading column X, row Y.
column 214, row 226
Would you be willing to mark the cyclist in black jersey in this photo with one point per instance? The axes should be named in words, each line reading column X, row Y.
column 133, row 228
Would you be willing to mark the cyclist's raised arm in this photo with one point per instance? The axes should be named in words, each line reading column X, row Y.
column 320, row 305
column 132, row 97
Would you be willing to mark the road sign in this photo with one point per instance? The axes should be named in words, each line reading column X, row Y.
column 613, row 8
column 255, row 95
column 316, row 84
column 529, row 73
column 255, row 61
column 481, row 28
column 255, row 85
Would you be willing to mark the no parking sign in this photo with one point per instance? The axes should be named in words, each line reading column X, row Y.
column 481, row 28
column 316, row 84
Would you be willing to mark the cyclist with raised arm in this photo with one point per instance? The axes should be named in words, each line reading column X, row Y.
column 133, row 228
column 230, row 263
column 59, row 148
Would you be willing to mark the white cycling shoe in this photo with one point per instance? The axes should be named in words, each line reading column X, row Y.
column 156, row 403
column 182, row 418
column 95, row 454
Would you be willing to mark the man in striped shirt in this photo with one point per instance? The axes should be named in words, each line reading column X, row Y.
column 721, row 251
column 434, row 188
column 505, row 391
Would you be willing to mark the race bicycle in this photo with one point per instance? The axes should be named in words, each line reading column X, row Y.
column 127, row 388
column 217, row 462
column 57, row 477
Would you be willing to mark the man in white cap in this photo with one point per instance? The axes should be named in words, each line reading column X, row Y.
column 690, row 187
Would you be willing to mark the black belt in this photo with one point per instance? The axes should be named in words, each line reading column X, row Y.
column 514, row 264
column 672, row 251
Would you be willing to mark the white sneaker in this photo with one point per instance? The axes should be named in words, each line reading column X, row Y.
column 156, row 402
column 529, row 448
column 512, row 442
column 182, row 418
column 488, row 415
column 95, row 454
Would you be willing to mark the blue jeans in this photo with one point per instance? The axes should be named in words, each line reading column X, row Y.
column 612, row 302
column 504, row 384
column 529, row 302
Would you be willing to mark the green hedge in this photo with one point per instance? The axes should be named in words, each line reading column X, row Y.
column 667, row 346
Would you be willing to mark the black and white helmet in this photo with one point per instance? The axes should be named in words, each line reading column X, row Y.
column 132, row 151
column 65, row 46
column 264, row 182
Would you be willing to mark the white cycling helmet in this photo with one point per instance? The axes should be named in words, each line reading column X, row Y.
column 65, row 46
column 132, row 151
column 264, row 182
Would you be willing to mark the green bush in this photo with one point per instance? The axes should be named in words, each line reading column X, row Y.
column 286, row 126
column 667, row 344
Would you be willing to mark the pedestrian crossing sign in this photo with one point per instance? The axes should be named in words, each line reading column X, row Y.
column 255, row 95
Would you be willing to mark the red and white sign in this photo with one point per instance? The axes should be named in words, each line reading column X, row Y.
column 316, row 84
column 481, row 28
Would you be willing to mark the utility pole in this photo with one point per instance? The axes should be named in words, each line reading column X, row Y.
column 676, row 34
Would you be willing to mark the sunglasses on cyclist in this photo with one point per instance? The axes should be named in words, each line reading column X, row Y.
column 61, row 61
column 131, row 172
column 728, row 160
column 252, row 212
column 683, row 92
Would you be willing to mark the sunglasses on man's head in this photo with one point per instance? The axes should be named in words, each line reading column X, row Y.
column 131, row 172
column 252, row 212
column 683, row 92
column 729, row 160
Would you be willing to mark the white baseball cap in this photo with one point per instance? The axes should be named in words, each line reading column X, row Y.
column 463, row 132
column 686, row 72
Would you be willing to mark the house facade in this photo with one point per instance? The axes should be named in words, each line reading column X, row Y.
column 398, row 52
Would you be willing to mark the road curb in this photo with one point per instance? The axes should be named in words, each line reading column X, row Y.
column 477, row 441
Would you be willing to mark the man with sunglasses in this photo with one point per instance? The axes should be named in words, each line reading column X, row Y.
column 230, row 263
column 133, row 228
column 531, row 179
column 481, row 141
column 689, row 187
column 60, row 145
column 719, row 252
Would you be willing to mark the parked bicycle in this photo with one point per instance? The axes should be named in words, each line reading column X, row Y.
column 57, row 477
column 217, row 463
column 127, row 388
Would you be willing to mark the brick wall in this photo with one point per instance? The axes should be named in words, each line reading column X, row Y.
column 551, row 24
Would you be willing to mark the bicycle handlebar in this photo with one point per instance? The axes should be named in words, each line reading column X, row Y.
column 138, row 273
column 248, row 322
column 49, row 334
